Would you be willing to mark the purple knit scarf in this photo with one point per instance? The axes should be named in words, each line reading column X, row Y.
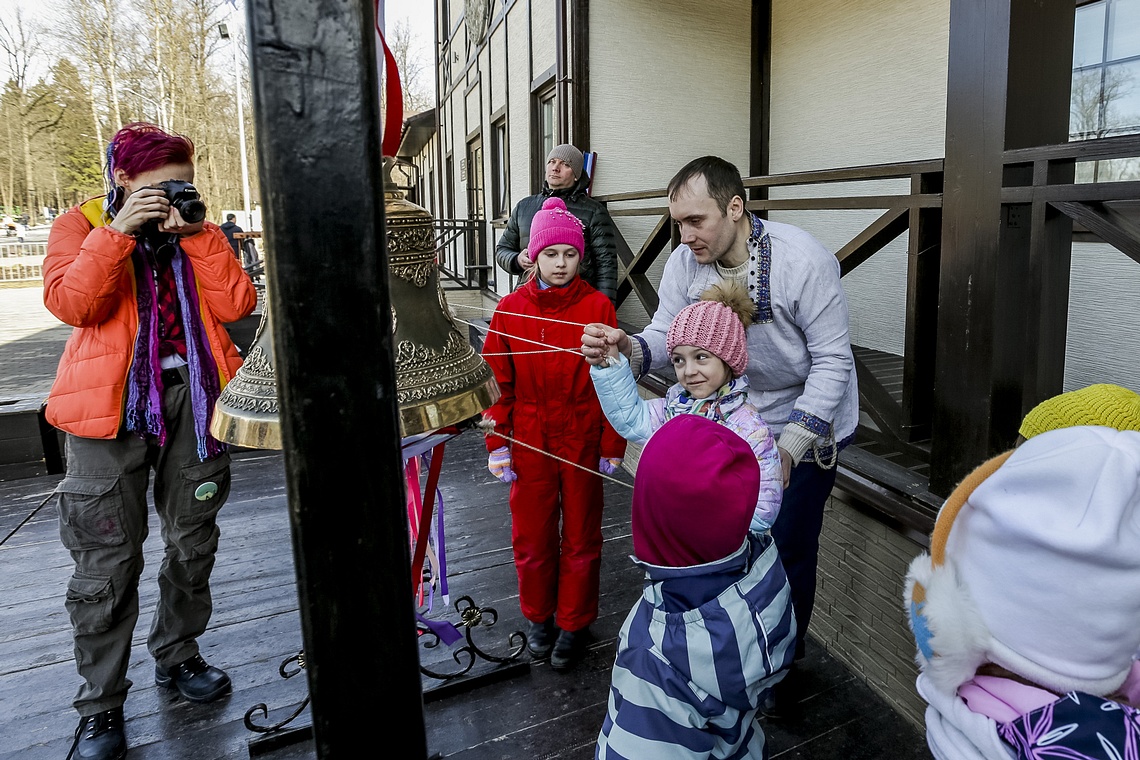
column 144, row 381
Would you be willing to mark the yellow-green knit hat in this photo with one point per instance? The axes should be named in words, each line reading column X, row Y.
column 1107, row 405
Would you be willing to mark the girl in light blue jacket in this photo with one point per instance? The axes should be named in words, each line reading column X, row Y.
column 706, row 343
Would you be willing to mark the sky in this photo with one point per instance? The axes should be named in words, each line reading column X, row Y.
column 421, row 17
column 419, row 13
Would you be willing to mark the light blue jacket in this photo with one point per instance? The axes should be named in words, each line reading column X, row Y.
column 636, row 419
column 695, row 656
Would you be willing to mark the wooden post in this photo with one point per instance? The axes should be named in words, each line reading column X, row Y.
column 317, row 111
column 580, row 74
column 923, row 253
column 759, row 99
column 1006, row 89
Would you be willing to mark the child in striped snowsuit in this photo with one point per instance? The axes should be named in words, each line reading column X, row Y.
column 714, row 628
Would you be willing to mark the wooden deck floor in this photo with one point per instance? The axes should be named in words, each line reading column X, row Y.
column 256, row 624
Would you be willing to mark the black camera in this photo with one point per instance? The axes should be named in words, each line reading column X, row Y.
column 184, row 197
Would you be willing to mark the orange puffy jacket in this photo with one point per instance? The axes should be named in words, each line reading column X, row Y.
column 89, row 283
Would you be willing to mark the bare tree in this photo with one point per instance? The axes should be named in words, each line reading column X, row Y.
column 150, row 60
column 1094, row 112
column 21, row 46
column 94, row 40
column 412, row 54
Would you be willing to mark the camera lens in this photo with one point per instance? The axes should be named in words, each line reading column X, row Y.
column 193, row 211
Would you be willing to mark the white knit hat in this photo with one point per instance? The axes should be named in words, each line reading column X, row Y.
column 1034, row 565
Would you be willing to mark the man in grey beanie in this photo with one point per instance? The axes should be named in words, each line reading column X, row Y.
column 565, row 179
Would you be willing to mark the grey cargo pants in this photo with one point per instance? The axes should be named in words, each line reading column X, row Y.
column 103, row 522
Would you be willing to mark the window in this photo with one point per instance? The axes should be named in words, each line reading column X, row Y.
column 449, row 187
column 546, row 124
column 545, row 136
column 1106, row 70
column 500, row 182
column 475, row 179
column 1105, row 99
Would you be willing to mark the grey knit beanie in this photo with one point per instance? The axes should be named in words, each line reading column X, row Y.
column 570, row 155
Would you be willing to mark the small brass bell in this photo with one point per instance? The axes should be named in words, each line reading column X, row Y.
column 440, row 379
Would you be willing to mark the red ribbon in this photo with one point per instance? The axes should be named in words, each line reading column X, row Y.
column 427, row 506
column 394, row 95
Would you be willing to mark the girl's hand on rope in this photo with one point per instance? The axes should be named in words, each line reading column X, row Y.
column 499, row 463
column 609, row 465
column 600, row 341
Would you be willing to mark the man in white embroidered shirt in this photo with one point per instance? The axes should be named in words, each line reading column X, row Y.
column 801, row 370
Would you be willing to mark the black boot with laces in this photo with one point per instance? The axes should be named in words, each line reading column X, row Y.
column 194, row 679
column 100, row 737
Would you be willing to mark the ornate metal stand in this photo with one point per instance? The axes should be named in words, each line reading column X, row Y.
column 471, row 618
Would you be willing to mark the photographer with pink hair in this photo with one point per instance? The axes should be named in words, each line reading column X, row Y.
column 147, row 284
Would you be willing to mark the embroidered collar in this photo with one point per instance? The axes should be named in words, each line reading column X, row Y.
column 760, row 271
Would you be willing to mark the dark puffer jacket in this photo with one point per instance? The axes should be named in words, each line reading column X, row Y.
column 599, row 267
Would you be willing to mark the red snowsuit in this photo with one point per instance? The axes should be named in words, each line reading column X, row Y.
column 548, row 401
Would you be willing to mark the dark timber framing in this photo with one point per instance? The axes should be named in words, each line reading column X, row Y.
column 1006, row 90
column 760, row 97
column 580, row 75
column 317, row 112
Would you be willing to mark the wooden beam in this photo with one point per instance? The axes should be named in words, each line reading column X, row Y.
column 624, row 252
column 1085, row 192
column 760, row 95
column 933, row 200
column 1005, row 90
column 317, row 111
column 872, row 239
column 1123, row 146
column 634, row 278
column 875, row 400
column 924, row 249
column 1110, row 226
column 580, row 74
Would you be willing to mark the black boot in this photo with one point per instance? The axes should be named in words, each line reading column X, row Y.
column 194, row 679
column 100, row 737
column 569, row 648
column 540, row 639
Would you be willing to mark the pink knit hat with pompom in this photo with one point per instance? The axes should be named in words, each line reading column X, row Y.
column 715, row 326
column 554, row 225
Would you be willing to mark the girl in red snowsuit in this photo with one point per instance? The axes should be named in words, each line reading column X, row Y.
column 548, row 402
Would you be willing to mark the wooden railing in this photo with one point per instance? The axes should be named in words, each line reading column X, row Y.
column 903, row 424
column 461, row 250
column 1035, row 172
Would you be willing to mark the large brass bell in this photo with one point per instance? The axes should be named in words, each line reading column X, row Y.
column 440, row 379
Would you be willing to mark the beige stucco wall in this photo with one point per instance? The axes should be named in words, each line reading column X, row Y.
column 858, row 82
column 1104, row 318
column 669, row 81
column 497, row 50
column 543, row 39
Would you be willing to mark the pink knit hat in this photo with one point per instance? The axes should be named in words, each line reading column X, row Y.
column 554, row 225
column 694, row 494
column 716, row 323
